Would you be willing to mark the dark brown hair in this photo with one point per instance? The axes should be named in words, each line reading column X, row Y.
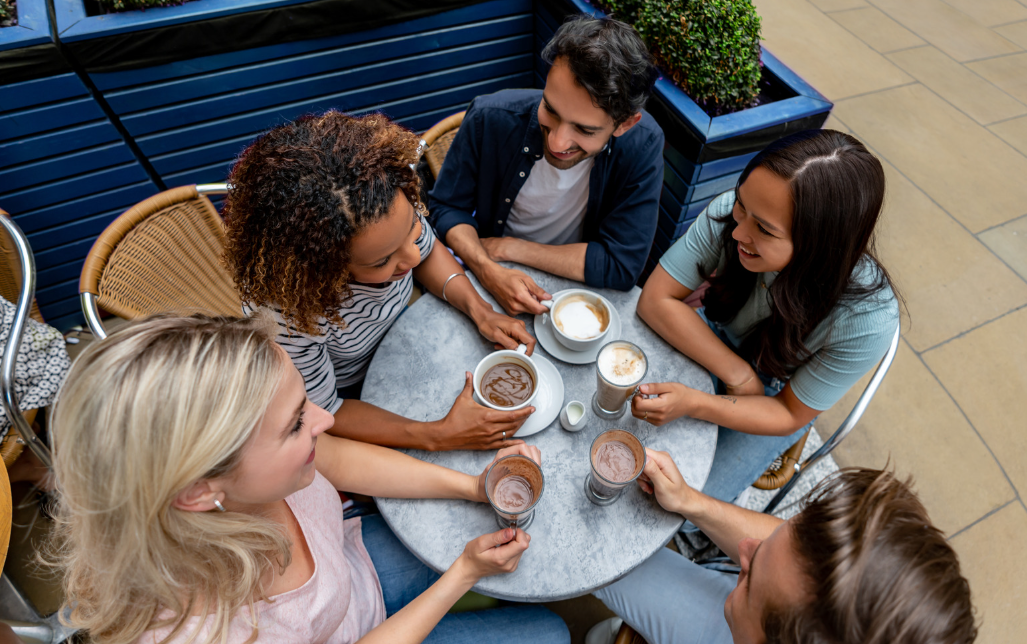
column 299, row 194
column 837, row 189
column 879, row 572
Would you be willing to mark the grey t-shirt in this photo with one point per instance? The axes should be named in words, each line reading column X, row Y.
column 845, row 345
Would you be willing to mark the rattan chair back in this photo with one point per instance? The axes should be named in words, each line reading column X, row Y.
column 162, row 255
column 439, row 139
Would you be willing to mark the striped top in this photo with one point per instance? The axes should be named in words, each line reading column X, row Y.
column 339, row 356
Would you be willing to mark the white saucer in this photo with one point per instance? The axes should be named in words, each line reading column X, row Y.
column 545, row 336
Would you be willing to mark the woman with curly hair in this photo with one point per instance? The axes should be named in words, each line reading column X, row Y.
column 326, row 230
column 197, row 503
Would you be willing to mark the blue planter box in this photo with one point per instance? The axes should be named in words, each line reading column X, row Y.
column 65, row 170
column 703, row 156
column 191, row 115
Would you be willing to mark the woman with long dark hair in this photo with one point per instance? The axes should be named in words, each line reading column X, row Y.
column 798, row 307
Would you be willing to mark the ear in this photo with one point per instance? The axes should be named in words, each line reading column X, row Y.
column 628, row 124
column 198, row 497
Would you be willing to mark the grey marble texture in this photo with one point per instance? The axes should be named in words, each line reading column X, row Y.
column 576, row 547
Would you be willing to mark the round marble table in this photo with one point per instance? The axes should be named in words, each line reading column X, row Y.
column 576, row 547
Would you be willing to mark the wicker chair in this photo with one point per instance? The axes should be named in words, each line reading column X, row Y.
column 11, row 286
column 163, row 254
column 438, row 139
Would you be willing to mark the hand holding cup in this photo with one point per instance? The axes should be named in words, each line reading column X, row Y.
column 521, row 448
column 662, row 478
column 493, row 553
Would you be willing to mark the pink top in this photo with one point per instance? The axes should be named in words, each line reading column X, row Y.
column 340, row 602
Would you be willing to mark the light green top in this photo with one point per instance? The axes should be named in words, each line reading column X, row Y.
column 845, row 345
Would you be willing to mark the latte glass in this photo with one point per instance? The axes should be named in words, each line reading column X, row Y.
column 613, row 466
column 514, row 485
column 620, row 368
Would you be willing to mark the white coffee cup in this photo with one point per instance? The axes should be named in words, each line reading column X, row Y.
column 499, row 357
column 564, row 335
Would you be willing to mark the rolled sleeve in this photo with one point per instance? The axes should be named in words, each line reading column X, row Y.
column 700, row 250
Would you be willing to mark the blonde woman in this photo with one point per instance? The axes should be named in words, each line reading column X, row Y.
column 194, row 506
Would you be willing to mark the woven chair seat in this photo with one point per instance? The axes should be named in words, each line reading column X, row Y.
column 164, row 255
column 439, row 139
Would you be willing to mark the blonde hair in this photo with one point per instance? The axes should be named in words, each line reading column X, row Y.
column 144, row 414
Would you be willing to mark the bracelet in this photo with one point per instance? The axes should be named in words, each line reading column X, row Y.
column 446, row 283
column 742, row 384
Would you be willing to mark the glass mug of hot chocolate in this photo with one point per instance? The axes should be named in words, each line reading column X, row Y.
column 513, row 485
column 620, row 368
column 617, row 458
column 579, row 319
column 506, row 380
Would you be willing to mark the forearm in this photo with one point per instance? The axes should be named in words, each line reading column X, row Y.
column 413, row 623
column 680, row 325
column 464, row 241
column 379, row 471
column 567, row 260
column 725, row 523
column 762, row 415
column 434, row 272
column 364, row 422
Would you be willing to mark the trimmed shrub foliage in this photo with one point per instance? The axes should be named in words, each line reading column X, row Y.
column 110, row 6
column 6, row 12
column 711, row 48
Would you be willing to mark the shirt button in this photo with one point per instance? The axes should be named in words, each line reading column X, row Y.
column 525, row 149
column 507, row 201
column 499, row 221
column 522, row 174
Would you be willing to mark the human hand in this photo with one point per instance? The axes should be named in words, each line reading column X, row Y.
column 523, row 448
column 496, row 247
column 494, row 553
column 671, row 400
column 515, row 291
column 662, row 476
column 469, row 425
column 504, row 330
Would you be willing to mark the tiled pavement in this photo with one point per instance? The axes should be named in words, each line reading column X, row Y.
column 938, row 89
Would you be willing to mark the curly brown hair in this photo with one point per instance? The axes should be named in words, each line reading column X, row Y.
column 300, row 193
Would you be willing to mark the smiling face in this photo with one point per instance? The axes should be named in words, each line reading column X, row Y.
column 279, row 458
column 386, row 250
column 763, row 211
column 573, row 128
column 770, row 579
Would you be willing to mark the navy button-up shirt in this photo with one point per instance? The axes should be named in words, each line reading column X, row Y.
column 493, row 153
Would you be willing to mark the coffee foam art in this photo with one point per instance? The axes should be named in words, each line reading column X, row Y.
column 621, row 365
column 580, row 319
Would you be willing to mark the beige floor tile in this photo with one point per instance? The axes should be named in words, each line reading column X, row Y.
column 959, row 163
column 986, row 374
column 877, row 30
column 947, row 28
column 1016, row 32
column 912, row 422
column 826, row 55
column 834, row 123
column 991, row 12
column 950, row 281
column 975, row 96
column 838, row 5
column 1013, row 132
column 994, row 561
column 1009, row 242
column 1008, row 72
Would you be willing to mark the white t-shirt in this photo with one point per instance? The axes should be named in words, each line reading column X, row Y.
column 550, row 208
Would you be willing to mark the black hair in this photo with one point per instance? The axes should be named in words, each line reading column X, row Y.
column 608, row 59
column 837, row 189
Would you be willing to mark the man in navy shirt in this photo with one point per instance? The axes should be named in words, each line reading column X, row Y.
column 566, row 180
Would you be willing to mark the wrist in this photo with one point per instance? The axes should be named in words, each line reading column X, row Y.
column 470, row 489
column 463, row 572
column 739, row 376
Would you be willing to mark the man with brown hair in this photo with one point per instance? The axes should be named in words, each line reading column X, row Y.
column 861, row 564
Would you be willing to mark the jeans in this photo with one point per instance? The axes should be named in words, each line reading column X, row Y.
column 670, row 600
column 741, row 457
column 403, row 577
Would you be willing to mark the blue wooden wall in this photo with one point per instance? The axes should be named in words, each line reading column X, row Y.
column 65, row 173
column 192, row 118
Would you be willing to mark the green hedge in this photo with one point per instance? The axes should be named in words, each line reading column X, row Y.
column 130, row 5
column 711, row 48
column 6, row 12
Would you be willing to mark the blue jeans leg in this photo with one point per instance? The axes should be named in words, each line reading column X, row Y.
column 741, row 457
column 403, row 577
column 670, row 600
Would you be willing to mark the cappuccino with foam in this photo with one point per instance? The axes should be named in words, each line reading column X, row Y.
column 620, row 368
column 579, row 317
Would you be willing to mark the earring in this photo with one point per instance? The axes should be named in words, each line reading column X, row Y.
column 217, row 504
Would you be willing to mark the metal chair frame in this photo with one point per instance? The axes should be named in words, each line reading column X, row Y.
column 88, row 300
